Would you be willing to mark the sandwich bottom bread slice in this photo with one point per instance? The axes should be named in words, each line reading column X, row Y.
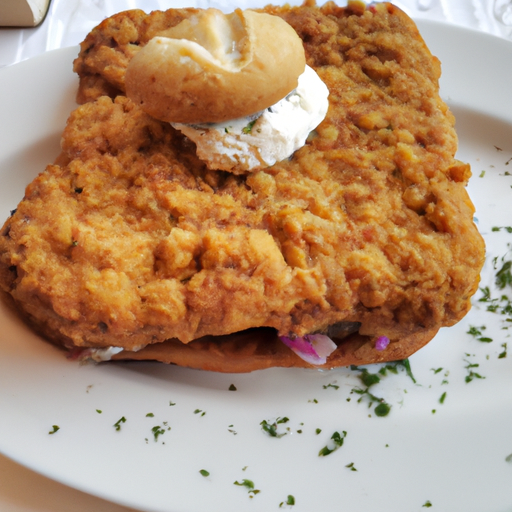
column 129, row 247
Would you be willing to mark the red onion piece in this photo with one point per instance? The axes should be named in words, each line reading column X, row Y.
column 381, row 343
column 312, row 348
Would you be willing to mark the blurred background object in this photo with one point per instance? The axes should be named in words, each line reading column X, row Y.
column 22, row 13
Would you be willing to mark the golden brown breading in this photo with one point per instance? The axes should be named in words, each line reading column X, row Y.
column 130, row 240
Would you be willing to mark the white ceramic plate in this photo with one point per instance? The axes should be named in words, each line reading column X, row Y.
column 456, row 458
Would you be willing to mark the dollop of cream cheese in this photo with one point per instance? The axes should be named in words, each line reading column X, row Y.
column 267, row 137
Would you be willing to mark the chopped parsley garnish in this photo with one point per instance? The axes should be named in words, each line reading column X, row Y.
column 55, row 428
column 427, row 504
column 249, row 485
column 99, row 411
column 248, row 128
column 407, row 366
column 204, row 472
column 318, row 430
column 476, row 332
column 442, row 398
column 335, row 386
column 337, row 440
column 171, row 404
column 504, row 353
column 245, row 483
column 290, row 500
column 351, row 467
column 199, row 411
column 508, row 458
column 157, row 431
column 271, row 427
column 504, row 276
column 232, row 387
column 471, row 374
column 508, row 229
column 117, row 424
column 382, row 409
column 370, row 379
column 150, row 415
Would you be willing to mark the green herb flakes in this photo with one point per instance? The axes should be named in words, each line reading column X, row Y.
column 249, row 485
column 204, row 472
column 335, row 386
column 271, row 427
column 117, row 424
column 99, row 411
column 199, row 411
column 290, row 501
column 471, row 374
column 442, row 398
column 248, row 128
column 503, row 354
column 508, row 458
column 504, row 276
column 232, row 387
column 369, row 379
column 337, row 440
column 407, row 366
column 482, row 174
column 318, row 430
column 157, row 432
column 476, row 332
column 171, row 404
column 508, row 229
column 150, row 415
column 427, row 504
column 55, row 428
column 382, row 409
column 351, row 467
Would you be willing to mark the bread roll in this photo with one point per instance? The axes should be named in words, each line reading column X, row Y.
column 214, row 67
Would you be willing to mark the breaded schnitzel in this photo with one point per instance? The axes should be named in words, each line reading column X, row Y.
column 129, row 240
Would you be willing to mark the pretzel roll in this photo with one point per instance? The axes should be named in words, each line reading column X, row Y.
column 213, row 67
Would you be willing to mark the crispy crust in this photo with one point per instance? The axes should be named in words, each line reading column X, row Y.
column 129, row 240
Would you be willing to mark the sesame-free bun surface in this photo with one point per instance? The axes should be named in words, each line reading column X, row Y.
column 213, row 67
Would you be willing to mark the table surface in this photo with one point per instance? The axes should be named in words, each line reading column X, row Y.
column 66, row 24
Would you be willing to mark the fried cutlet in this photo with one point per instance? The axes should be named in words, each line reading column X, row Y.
column 128, row 240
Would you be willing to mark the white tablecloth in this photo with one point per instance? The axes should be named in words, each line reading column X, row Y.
column 67, row 23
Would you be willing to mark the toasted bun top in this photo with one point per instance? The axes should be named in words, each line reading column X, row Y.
column 213, row 67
